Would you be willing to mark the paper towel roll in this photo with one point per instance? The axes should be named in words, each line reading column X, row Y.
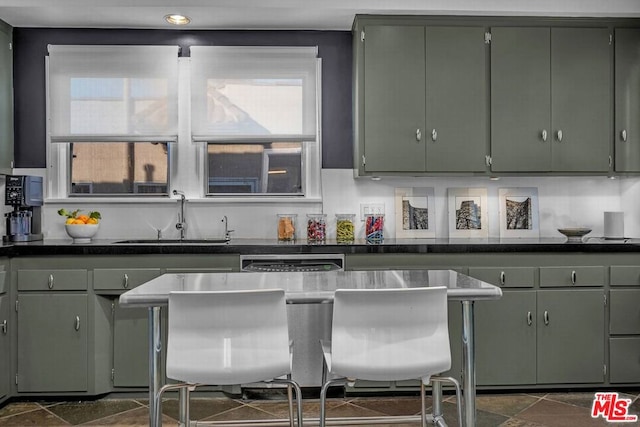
column 614, row 225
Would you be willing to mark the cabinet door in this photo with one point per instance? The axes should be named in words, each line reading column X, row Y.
column 624, row 311
column 506, row 339
column 520, row 99
column 581, row 99
column 570, row 336
column 6, row 99
column 52, row 342
column 627, row 100
column 5, row 353
column 130, row 347
column 456, row 80
column 394, row 98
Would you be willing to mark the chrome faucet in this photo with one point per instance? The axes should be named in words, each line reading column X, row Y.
column 227, row 232
column 182, row 223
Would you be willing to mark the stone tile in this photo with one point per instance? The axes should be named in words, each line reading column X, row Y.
column 504, row 404
column 557, row 414
column 17, row 408
column 39, row 417
column 395, row 407
column 514, row 422
column 244, row 412
column 483, row 418
column 134, row 418
column 82, row 412
column 200, row 408
column 310, row 408
column 584, row 400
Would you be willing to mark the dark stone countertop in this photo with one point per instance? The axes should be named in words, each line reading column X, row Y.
column 268, row 246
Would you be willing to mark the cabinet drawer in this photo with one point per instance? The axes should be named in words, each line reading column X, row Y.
column 4, row 286
column 624, row 311
column 572, row 276
column 625, row 275
column 55, row 280
column 507, row 277
column 624, row 360
column 122, row 278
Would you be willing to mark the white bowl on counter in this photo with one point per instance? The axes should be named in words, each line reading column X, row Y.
column 81, row 233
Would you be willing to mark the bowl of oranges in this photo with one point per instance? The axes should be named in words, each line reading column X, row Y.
column 81, row 227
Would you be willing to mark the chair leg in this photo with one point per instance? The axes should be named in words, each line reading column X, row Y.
column 298, row 392
column 423, row 406
column 157, row 416
column 183, row 399
column 456, row 384
column 290, row 400
column 323, row 397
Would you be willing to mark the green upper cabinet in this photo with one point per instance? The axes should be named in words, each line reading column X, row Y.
column 550, row 99
column 6, row 99
column 627, row 99
column 421, row 99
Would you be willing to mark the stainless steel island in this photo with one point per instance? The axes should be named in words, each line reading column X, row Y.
column 316, row 287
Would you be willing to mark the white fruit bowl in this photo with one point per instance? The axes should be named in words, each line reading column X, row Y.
column 81, row 233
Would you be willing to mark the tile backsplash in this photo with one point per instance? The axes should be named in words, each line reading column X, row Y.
column 563, row 202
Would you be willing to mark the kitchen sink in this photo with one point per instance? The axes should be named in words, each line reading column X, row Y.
column 173, row 242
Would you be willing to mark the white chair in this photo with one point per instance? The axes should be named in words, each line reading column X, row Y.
column 227, row 338
column 388, row 335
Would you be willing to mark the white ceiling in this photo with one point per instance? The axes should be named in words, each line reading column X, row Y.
column 281, row 14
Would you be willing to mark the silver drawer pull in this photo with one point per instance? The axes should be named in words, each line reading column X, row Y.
column 4, row 327
column 546, row 317
column 544, row 135
column 77, row 323
column 529, row 318
column 418, row 134
column 623, row 135
column 50, row 281
column 559, row 136
column 573, row 277
column 125, row 281
column 434, row 135
column 502, row 278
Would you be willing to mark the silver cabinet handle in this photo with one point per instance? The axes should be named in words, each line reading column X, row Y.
column 544, row 135
column 546, row 317
column 4, row 327
column 529, row 318
column 574, row 277
column 502, row 278
column 50, row 281
column 560, row 135
column 434, row 135
column 623, row 135
column 418, row 134
column 77, row 323
column 125, row 281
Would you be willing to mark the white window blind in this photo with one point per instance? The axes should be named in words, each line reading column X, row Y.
column 254, row 94
column 113, row 93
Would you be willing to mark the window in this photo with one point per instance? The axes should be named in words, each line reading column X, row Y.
column 114, row 108
column 256, row 109
column 248, row 122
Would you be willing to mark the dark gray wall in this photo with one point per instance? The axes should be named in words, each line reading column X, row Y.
column 30, row 49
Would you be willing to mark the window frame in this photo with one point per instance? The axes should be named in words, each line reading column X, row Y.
column 183, row 155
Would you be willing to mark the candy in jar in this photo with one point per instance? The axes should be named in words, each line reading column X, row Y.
column 345, row 228
column 286, row 227
column 374, row 224
column 316, row 227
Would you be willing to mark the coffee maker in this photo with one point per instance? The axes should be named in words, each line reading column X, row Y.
column 24, row 193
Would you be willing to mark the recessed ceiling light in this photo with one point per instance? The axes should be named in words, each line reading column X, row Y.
column 176, row 19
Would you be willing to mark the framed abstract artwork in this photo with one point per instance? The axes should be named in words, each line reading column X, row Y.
column 519, row 212
column 468, row 213
column 415, row 212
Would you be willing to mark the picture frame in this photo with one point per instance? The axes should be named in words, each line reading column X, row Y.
column 468, row 213
column 519, row 212
column 415, row 213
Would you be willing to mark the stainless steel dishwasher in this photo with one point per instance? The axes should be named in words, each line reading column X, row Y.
column 308, row 323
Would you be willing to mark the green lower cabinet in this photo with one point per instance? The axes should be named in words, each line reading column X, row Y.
column 506, row 339
column 52, row 342
column 5, row 357
column 130, row 347
column 624, row 360
column 570, row 336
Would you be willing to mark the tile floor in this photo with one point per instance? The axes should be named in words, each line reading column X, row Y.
column 504, row 410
